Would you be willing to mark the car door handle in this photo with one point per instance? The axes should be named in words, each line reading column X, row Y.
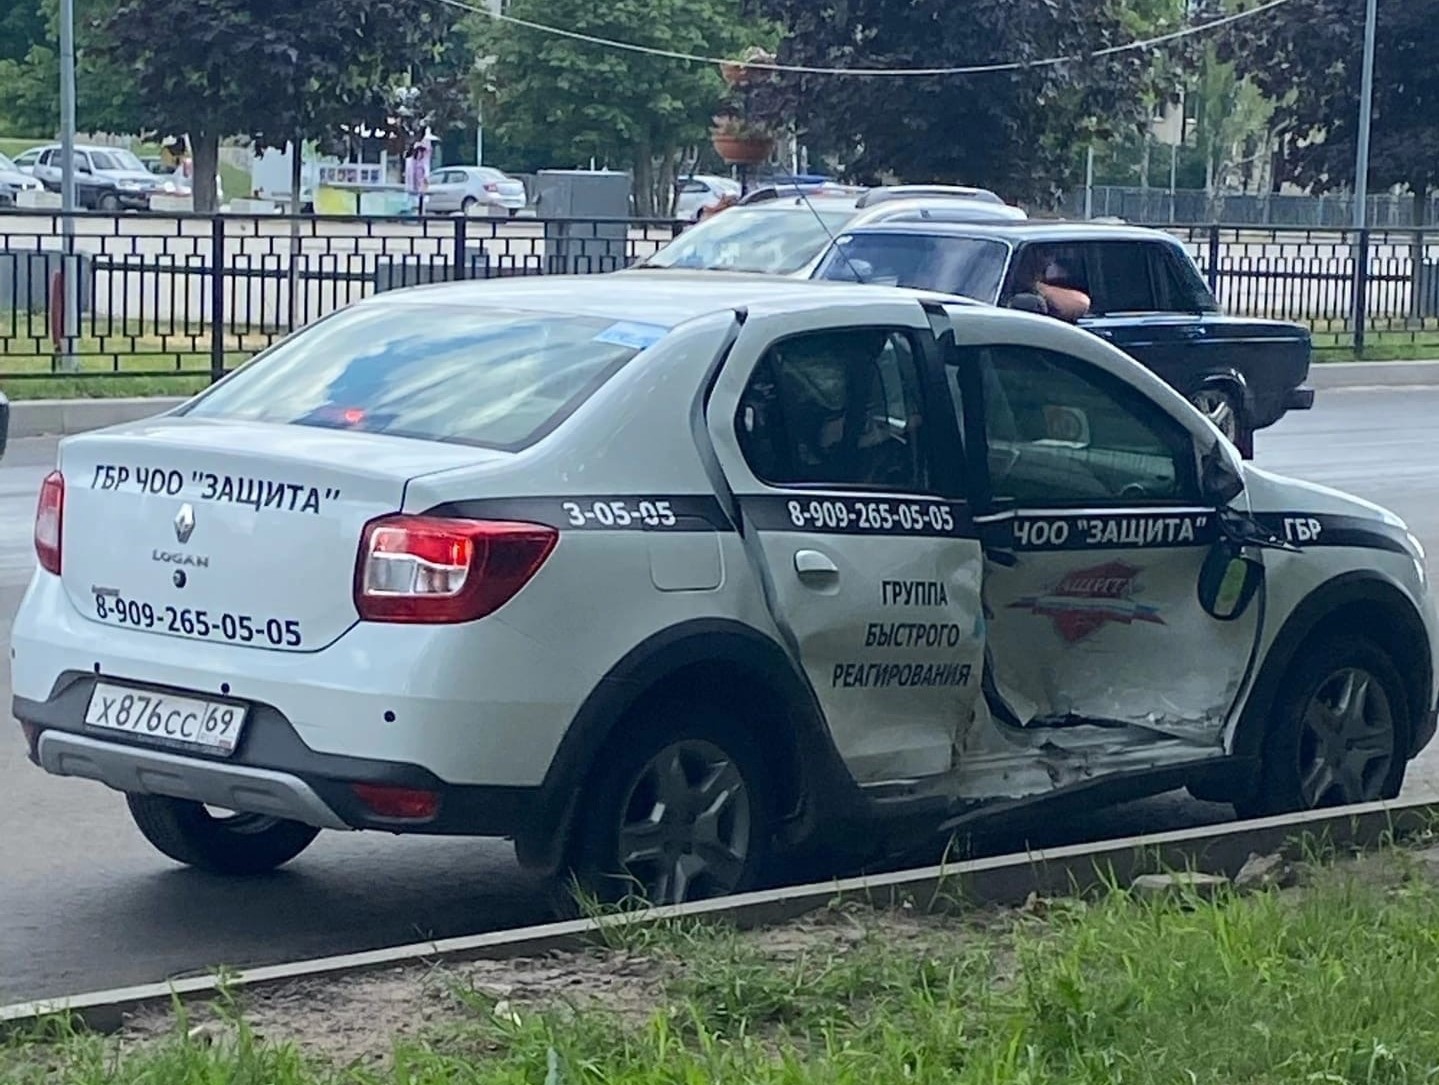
column 814, row 567
column 1195, row 331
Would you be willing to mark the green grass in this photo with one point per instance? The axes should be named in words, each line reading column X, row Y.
column 148, row 363
column 1332, row 984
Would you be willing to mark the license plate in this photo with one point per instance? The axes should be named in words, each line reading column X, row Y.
column 163, row 718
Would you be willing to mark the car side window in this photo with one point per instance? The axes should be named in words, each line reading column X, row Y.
column 839, row 409
column 1060, row 432
column 1182, row 288
column 1120, row 280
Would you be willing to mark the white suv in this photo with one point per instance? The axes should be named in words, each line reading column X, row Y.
column 668, row 575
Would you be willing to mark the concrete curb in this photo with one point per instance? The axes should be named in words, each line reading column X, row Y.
column 61, row 417
column 1000, row 880
column 1333, row 376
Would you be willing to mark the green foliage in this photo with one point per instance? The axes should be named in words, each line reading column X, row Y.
column 1012, row 131
column 30, row 72
column 1308, row 58
column 561, row 102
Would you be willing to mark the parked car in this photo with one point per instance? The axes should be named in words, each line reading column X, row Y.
column 471, row 188
column 13, row 181
column 787, row 234
column 673, row 577
column 1146, row 296
column 106, row 178
column 699, row 192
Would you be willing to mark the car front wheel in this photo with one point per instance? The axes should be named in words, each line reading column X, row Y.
column 1338, row 735
column 678, row 813
column 221, row 844
column 109, row 202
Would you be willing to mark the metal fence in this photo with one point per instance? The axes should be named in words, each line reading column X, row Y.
column 192, row 296
column 1159, row 206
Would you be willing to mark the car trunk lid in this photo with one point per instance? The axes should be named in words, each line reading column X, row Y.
column 237, row 532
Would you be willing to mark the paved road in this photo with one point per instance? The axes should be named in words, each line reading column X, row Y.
column 85, row 903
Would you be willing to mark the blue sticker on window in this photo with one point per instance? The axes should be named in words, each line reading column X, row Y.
column 627, row 333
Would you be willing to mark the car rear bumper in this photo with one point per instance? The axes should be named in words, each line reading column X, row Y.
column 272, row 772
column 1299, row 399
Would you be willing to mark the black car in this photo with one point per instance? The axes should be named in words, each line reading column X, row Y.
column 1145, row 295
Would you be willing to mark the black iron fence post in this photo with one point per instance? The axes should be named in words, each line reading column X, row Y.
column 462, row 269
column 1213, row 269
column 1361, row 292
column 217, row 298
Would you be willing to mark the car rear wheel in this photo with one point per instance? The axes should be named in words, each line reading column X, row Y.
column 1338, row 735
column 223, row 843
column 468, row 205
column 679, row 813
column 1222, row 407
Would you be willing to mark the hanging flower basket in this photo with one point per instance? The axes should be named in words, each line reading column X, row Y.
column 740, row 142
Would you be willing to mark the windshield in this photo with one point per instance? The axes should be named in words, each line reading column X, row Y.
column 8, row 166
column 495, row 378
column 754, row 239
column 116, row 159
column 971, row 267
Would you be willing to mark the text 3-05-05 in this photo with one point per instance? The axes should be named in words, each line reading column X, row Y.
column 205, row 624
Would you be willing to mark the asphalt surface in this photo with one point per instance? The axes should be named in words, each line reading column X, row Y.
column 85, row 903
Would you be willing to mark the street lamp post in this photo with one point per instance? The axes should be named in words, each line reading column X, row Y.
column 1361, row 179
column 69, row 269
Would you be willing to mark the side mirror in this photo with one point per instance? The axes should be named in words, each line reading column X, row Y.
column 1228, row 580
column 1220, row 482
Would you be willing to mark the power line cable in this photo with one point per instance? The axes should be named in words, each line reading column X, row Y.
column 804, row 69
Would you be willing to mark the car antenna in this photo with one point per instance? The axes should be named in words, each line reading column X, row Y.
column 833, row 240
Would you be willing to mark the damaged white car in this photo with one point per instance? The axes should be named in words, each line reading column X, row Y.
column 668, row 576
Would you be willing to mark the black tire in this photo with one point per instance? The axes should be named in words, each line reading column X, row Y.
column 109, row 202
column 467, row 205
column 239, row 844
column 1311, row 760
column 715, row 756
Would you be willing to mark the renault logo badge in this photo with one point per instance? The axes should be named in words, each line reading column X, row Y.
column 184, row 523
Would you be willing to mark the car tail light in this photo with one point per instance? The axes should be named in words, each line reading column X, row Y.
column 490, row 186
column 407, row 803
column 433, row 570
column 50, row 522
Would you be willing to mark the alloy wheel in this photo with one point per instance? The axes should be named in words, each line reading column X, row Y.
column 1346, row 744
column 1218, row 407
column 685, row 831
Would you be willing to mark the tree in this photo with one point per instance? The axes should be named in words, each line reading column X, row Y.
column 270, row 69
column 1307, row 57
column 30, row 72
column 568, row 101
column 1012, row 131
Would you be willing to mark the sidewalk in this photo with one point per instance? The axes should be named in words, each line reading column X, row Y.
column 57, row 417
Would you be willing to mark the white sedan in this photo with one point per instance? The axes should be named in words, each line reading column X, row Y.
column 669, row 575
column 472, row 189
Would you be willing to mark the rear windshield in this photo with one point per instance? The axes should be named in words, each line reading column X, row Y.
column 971, row 267
column 495, row 378
column 758, row 239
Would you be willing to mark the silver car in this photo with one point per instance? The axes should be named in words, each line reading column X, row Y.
column 474, row 188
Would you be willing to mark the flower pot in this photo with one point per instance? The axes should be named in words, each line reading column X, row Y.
column 742, row 150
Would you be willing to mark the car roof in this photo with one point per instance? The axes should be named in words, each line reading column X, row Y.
column 663, row 297
column 1027, row 230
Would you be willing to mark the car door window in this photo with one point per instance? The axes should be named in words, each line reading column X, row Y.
column 836, row 409
column 1061, row 433
column 1180, row 286
column 1120, row 278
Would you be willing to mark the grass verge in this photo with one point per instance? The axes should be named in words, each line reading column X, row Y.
column 115, row 362
column 1330, row 981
